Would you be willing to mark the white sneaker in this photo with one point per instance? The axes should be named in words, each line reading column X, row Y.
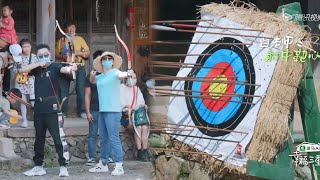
column 24, row 124
column 35, row 171
column 100, row 168
column 4, row 127
column 90, row 162
column 63, row 172
column 118, row 170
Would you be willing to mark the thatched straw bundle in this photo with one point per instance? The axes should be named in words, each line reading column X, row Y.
column 271, row 129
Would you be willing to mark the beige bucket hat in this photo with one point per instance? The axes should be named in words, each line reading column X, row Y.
column 97, row 64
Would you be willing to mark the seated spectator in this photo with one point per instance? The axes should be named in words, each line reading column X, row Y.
column 139, row 116
column 5, row 112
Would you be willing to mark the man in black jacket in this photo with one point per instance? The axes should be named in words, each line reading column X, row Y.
column 46, row 110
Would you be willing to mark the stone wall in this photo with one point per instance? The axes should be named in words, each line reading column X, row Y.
column 173, row 168
column 78, row 148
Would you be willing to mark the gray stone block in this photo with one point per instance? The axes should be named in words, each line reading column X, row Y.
column 21, row 132
column 27, row 153
column 3, row 133
column 71, row 141
column 4, row 163
column 7, row 148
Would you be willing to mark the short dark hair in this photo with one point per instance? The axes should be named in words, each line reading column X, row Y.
column 41, row 46
column 97, row 53
column 16, row 92
column 69, row 23
column 24, row 41
column 9, row 6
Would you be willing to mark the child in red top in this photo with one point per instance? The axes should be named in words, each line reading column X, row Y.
column 7, row 32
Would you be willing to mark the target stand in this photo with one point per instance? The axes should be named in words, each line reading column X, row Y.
column 282, row 168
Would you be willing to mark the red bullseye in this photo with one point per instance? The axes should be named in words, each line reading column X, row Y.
column 218, row 90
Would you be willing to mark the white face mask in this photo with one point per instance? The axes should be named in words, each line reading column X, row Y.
column 42, row 52
column 151, row 83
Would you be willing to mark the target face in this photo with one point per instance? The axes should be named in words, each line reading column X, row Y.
column 227, row 77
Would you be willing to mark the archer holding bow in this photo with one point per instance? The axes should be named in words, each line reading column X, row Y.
column 108, row 85
column 47, row 109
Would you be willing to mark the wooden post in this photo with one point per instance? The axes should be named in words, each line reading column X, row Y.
column 46, row 24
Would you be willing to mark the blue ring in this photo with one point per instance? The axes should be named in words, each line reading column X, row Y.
column 228, row 56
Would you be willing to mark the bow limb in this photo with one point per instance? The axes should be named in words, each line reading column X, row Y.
column 69, row 38
column 125, row 47
column 13, row 96
column 129, row 64
column 129, row 67
column 62, row 32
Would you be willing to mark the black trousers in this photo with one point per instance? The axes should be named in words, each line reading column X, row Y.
column 42, row 122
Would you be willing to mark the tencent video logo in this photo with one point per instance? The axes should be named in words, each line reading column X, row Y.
column 308, row 147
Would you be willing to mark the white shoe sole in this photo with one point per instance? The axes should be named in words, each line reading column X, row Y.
column 117, row 174
column 39, row 174
column 98, row 171
column 90, row 164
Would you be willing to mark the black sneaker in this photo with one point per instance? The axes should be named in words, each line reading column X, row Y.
column 139, row 156
column 90, row 162
column 144, row 155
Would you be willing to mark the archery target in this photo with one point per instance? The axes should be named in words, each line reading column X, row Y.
column 220, row 108
column 225, row 92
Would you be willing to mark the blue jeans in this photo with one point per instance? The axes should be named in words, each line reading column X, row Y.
column 109, row 125
column 64, row 84
column 4, row 119
column 92, row 139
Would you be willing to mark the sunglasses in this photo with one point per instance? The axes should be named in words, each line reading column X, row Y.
column 42, row 56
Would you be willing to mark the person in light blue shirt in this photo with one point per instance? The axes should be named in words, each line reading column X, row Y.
column 108, row 85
